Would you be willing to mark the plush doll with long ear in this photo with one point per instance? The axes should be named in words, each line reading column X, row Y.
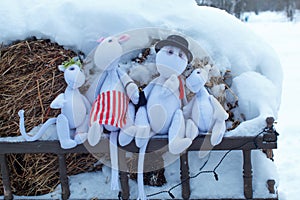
column 74, row 110
column 111, row 109
column 204, row 110
column 112, row 92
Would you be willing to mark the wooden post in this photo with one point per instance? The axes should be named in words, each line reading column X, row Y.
column 247, row 166
column 184, row 172
column 65, row 190
column 5, row 177
column 123, row 173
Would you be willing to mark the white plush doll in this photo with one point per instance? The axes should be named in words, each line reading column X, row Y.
column 204, row 110
column 112, row 93
column 74, row 110
column 111, row 109
column 163, row 114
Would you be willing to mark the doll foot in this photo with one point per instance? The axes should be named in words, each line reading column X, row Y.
column 68, row 144
column 127, row 135
column 94, row 134
column 191, row 129
column 203, row 154
column 80, row 137
column 178, row 146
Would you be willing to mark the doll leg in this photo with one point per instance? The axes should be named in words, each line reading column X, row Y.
column 94, row 133
column 219, row 116
column 177, row 141
column 113, row 148
column 63, row 132
column 81, row 131
column 143, row 127
column 218, row 132
column 140, row 175
column 191, row 130
column 127, row 133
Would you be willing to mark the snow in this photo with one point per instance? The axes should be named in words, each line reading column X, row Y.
column 78, row 25
column 231, row 44
column 96, row 184
column 284, row 38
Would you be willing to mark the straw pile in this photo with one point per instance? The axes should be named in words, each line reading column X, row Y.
column 30, row 80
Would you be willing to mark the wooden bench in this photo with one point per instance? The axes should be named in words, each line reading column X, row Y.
column 265, row 141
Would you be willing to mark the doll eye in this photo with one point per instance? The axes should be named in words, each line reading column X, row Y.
column 170, row 51
column 110, row 40
column 72, row 68
column 180, row 54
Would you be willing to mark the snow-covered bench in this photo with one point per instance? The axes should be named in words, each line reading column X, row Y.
column 266, row 140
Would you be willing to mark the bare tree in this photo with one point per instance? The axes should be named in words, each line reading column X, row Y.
column 290, row 9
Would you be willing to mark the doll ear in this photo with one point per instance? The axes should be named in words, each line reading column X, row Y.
column 100, row 39
column 61, row 68
column 123, row 38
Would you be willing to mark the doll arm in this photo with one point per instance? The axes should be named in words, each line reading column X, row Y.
column 219, row 112
column 86, row 103
column 100, row 83
column 58, row 102
column 171, row 85
column 131, row 88
column 148, row 88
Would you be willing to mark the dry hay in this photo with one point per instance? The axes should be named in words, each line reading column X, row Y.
column 153, row 167
column 30, row 80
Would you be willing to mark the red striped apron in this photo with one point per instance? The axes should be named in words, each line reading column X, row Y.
column 110, row 108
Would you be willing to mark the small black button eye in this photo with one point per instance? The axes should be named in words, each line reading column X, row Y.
column 110, row 40
column 198, row 72
column 170, row 51
column 72, row 68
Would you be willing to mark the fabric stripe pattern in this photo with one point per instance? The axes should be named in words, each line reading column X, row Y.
column 110, row 108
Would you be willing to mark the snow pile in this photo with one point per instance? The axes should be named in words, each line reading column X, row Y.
column 231, row 45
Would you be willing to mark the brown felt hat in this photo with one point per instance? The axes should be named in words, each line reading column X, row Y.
column 176, row 41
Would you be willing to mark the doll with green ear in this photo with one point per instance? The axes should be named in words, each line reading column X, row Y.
column 72, row 123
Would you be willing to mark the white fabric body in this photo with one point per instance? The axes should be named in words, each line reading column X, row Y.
column 74, row 111
column 161, row 106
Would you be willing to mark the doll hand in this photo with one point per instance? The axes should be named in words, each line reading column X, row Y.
column 58, row 102
column 132, row 92
column 171, row 84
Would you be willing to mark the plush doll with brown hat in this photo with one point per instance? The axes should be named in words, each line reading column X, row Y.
column 162, row 113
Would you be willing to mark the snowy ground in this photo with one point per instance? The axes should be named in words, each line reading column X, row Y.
column 274, row 28
column 284, row 37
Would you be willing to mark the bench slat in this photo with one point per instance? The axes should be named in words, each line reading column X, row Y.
column 238, row 143
column 5, row 177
